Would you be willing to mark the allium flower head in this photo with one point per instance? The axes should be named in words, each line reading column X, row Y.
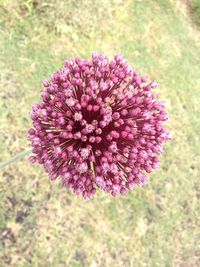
column 98, row 126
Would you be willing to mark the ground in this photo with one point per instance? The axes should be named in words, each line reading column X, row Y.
column 43, row 224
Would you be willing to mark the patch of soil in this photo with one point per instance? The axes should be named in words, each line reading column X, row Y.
column 187, row 2
column 191, row 12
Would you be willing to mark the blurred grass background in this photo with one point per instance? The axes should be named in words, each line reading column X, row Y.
column 42, row 224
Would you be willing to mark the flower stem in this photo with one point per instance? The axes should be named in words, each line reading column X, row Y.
column 16, row 157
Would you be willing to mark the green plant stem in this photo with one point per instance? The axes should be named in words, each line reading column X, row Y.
column 16, row 157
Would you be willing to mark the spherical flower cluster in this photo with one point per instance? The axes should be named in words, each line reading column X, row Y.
column 98, row 126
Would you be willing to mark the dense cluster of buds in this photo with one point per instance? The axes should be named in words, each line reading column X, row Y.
column 98, row 126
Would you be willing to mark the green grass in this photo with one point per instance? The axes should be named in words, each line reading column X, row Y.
column 42, row 224
column 195, row 8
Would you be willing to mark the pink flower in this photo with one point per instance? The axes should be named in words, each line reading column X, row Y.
column 98, row 126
